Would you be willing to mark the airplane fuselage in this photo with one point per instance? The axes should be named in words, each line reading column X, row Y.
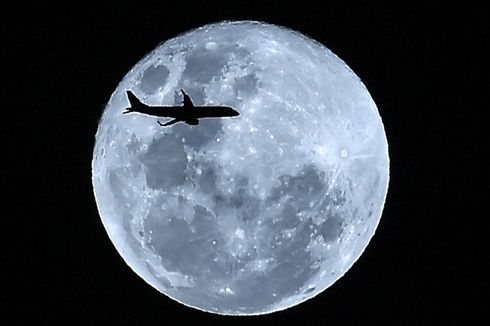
column 181, row 113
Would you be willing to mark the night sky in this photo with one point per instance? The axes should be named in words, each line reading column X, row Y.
column 420, row 64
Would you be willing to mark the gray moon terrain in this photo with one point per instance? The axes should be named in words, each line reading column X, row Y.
column 251, row 214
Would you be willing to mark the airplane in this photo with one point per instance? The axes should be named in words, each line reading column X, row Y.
column 188, row 112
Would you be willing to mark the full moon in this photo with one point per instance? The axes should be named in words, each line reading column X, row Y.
column 251, row 214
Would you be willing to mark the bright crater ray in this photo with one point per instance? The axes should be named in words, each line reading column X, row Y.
column 252, row 214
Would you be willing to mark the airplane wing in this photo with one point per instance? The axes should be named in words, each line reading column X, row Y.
column 169, row 123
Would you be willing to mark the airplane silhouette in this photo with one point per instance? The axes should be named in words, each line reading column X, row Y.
column 188, row 112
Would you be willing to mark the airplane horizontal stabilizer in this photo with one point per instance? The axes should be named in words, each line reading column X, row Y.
column 169, row 123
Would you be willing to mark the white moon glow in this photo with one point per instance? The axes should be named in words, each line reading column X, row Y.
column 252, row 214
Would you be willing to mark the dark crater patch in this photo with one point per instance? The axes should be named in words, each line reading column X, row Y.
column 181, row 244
column 295, row 264
column 165, row 162
column 289, row 216
column 246, row 205
column 207, row 179
column 247, row 86
column 239, row 197
column 305, row 188
column 202, row 64
column 331, row 229
column 153, row 78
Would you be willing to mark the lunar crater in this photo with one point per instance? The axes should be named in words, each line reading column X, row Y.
column 163, row 155
column 153, row 78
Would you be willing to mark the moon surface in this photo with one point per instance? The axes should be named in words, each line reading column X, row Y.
column 252, row 214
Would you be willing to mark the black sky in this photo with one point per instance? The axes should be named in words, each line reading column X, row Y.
column 422, row 66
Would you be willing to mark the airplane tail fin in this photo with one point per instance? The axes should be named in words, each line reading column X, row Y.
column 133, row 101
